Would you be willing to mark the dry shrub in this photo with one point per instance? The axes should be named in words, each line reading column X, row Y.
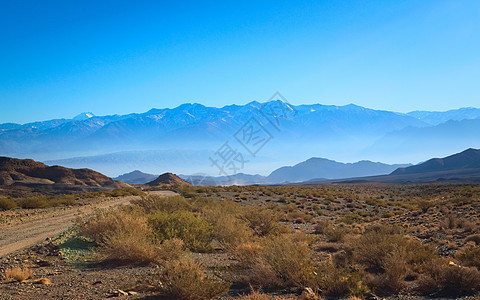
column 152, row 204
column 262, row 221
column 338, row 282
column 389, row 256
column 33, row 202
column 467, row 225
column 374, row 247
column 450, row 222
column 450, row 278
column 228, row 230
column 195, row 232
column 469, row 256
column 334, row 234
column 331, row 232
column 18, row 274
column 283, row 260
column 322, row 225
column 185, row 279
column 395, row 271
column 254, row 295
column 473, row 238
column 103, row 223
column 124, row 236
column 7, row 203
column 247, row 252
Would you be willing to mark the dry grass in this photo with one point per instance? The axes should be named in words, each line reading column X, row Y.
column 18, row 274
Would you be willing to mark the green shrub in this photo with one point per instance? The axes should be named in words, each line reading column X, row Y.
column 7, row 204
column 195, row 232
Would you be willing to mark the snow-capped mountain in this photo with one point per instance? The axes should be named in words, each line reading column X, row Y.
column 290, row 133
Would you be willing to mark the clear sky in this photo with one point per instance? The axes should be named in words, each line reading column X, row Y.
column 60, row 58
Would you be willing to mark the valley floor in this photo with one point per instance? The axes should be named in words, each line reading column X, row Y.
column 338, row 225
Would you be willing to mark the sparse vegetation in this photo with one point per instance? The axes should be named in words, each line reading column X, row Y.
column 331, row 240
column 18, row 274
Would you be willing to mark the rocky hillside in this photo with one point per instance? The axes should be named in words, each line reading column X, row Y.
column 31, row 173
column 168, row 178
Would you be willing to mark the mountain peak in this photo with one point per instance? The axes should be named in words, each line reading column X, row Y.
column 168, row 178
column 84, row 116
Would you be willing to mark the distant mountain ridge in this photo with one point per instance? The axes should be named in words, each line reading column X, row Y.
column 136, row 177
column 324, row 168
column 468, row 159
column 193, row 131
column 463, row 167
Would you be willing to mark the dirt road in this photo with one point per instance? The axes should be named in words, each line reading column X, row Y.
column 30, row 232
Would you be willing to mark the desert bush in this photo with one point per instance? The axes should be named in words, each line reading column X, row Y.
column 473, row 238
column 331, row 232
column 18, row 274
column 247, row 252
column 123, row 235
column 195, row 232
column 321, row 225
column 469, row 256
column 441, row 275
column 375, row 246
column 338, row 282
column 152, row 204
column 392, row 279
column 467, row 225
column 283, row 260
column 7, row 204
column 262, row 221
column 33, row 202
column 129, row 191
column 228, row 230
column 184, row 279
column 451, row 221
column 425, row 205
column 334, row 234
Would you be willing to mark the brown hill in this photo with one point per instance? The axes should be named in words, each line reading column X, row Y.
column 32, row 173
column 168, row 178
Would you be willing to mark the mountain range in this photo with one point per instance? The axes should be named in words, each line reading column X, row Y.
column 307, row 170
column 460, row 167
column 183, row 139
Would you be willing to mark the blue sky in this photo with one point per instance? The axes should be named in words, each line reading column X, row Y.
column 60, row 58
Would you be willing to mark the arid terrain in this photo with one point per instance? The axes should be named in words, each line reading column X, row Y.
column 256, row 242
